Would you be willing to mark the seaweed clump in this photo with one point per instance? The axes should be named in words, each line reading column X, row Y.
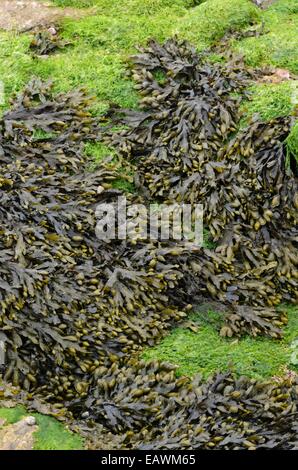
column 69, row 302
column 186, row 150
column 46, row 42
column 76, row 310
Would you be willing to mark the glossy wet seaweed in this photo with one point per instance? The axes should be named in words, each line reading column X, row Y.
column 73, row 345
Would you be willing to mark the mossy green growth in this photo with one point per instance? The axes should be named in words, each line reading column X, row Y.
column 278, row 45
column 206, row 352
column 124, row 185
column 292, row 140
column 15, row 63
column 292, row 147
column 97, row 70
column 75, row 3
column 113, row 34
column 144, row 7
column 102, row 43
column 101, row 46
column 207, row 239
column 40, row 134
column 97, row 151
column 270, row 100
column 51, row 434
column 210, row 21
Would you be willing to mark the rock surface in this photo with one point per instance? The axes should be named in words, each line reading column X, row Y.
column 18, row 436
column 263, row 3
column 23, row 15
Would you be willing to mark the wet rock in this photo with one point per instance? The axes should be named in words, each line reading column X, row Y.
column 29, row 14
column 18, row 436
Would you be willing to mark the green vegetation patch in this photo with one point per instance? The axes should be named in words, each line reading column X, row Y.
column 271, row 100
column 15, row 62
column 51, row 434
column 210, row 21
column 75, row 3
column 144, row 7
column 278, row 45
column 292, row 147
column 103, row 42
column 101, row 45
column 205, row 352
column 98, row 151
column 112, row 34
column 100, row 72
